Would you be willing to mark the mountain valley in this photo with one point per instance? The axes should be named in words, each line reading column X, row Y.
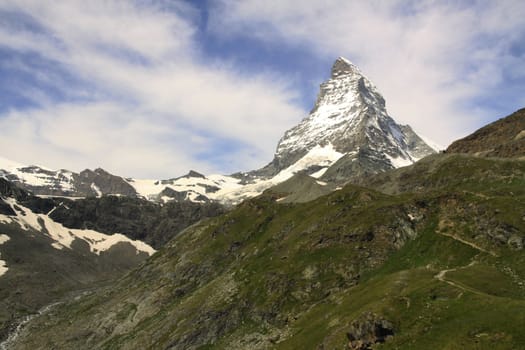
column 357, row 235
column 437, row 265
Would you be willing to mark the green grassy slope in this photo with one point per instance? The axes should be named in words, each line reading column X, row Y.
column 442, row 261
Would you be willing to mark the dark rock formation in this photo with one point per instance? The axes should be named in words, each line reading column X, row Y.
column 367, row 330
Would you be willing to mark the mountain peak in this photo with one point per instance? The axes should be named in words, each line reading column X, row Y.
column 191, row 174
column 350, row 116
column 343, row 66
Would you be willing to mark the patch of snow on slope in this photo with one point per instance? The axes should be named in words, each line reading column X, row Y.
column 400, row 162
column 166, row 199
column 194, row 185
column 434, row 145
column 3, row 266
column 4, row 219
column 64, row 237
column 230, row 190
column 319, row 155
column 96, row 189
column 4, row 238
column 145, row 187
column 225, row 182
column 192, row 196
column 319, row 173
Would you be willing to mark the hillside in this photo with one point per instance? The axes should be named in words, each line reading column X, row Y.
column 503, row 138
column 61, row 226
column 43, row 261
column 436, row 269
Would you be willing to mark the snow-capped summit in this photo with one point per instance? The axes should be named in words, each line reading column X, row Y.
column 350, row 114
column 44, row 181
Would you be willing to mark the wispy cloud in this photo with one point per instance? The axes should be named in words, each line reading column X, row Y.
column 438, row 63
column 130, row 85
column 151, row 106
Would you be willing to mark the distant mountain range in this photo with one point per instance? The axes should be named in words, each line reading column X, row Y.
column 348, row 134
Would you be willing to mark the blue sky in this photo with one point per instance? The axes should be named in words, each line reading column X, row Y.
column 154, row 88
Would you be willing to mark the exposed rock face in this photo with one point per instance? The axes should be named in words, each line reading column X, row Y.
column 97, row 182
column 137, row 218
column 350, row 114
column 8, row 189
column 503, row 138
column 368, row 330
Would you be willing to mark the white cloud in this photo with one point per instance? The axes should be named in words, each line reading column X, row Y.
column 156, row 105
column 153, row 105
column 431, row 59
column 90, row 134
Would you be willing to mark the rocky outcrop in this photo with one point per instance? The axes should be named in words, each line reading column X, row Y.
column 8, row 189
column 367, row 330
column 97, row 182
column 137, row 218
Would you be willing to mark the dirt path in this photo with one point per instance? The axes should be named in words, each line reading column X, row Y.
column 473, row 245
column 441, row 276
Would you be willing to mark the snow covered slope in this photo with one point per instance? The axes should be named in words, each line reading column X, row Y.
column 64, row 237
column 230, row 189
column 3, row 265
column 38, row 177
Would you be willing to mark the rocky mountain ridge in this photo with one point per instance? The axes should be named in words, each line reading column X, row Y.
column 47, row 182
column 502, row 138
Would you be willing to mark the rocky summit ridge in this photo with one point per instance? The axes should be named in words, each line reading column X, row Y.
column 350, row 115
